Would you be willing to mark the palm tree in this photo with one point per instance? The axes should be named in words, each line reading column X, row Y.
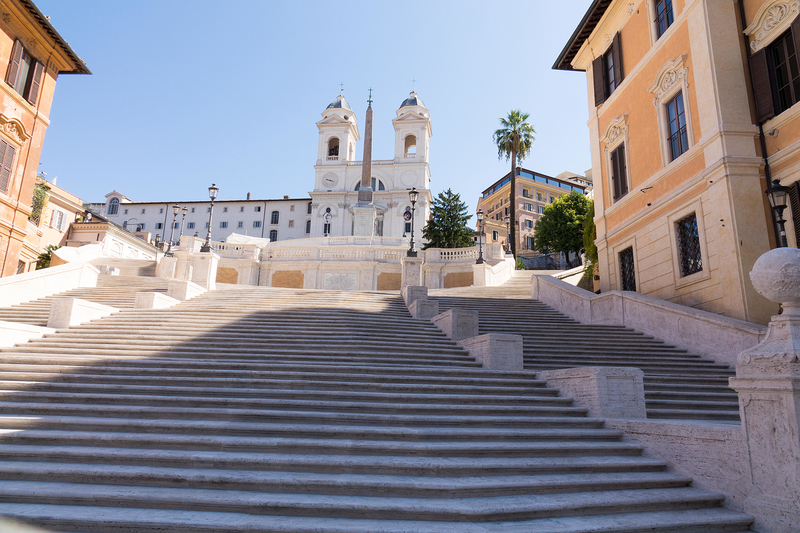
column 514, row 142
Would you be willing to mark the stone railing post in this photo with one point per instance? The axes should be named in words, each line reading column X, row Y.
column 768, row 382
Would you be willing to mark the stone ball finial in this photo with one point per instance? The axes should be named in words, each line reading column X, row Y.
column 776, row 276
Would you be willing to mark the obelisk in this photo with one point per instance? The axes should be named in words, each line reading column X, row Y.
column 364, row 211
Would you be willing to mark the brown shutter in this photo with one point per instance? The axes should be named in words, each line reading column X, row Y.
column 599, row 83
column 794, row 203
column 13, row 65
column 5, row 175
column 796, row 35
column 36, row 83
column 615, row 173
column 759, row 71
column 616, row 54
column 623, row 171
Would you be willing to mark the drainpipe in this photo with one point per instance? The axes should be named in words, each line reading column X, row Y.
column 264, row 220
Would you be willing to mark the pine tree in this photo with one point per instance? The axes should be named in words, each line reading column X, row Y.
column 448, row 227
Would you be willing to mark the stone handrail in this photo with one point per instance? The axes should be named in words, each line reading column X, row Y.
column 451, row 255
column 700, row 332
column 40, row 283
column 335, row 253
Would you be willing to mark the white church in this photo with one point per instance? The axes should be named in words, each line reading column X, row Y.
column 327, row 213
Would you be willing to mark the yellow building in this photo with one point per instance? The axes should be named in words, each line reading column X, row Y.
column 34, row 55
column 534, row 191
column 677, row 148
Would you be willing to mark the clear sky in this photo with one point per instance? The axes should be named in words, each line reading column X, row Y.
column 186, row 93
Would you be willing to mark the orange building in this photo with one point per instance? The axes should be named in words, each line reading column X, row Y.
column 679, row 159
column 35, row 54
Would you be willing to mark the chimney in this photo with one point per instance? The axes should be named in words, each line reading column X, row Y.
column 285, row 196
column 248, row 196
column 53, row 181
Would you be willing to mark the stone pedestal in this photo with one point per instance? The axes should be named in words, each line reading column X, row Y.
column 166, row 267
column 364, row 220
column 607, row 392
column 153, row 300
column 458, row 324
column 496, row 351
column 424, row 309
column 66, row 312
column 204, row 269
column 413, row 292
column 412, row 272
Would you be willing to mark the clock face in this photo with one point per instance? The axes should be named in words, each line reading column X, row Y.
column 407, row 215
column 329, row 180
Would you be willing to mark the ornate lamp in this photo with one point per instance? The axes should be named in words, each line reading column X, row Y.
column 175, row 210
column 480, row 214
column 777, row 194
column 413, row 194
column 184, row 209
column 212, row 193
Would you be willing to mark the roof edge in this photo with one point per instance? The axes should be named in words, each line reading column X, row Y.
column 588, row 23
column 80, row 66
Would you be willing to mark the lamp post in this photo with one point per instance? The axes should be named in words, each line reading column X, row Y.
column 184, row 209
column 175, row 210
column 508, row 234
column 413, row 194
column 777, row 194
column 479, row 261
column 212, row 193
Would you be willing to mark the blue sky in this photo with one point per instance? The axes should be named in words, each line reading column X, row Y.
column 185, row 93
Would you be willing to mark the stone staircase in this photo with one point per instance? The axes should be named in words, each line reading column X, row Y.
column 298, row 411
column 128, row 267
column 677, row 384
column 116, row 291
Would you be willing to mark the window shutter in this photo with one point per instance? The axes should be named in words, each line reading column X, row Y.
column 759, row 71
column 616, row 53
column 6, row 158
column 599, row 85
column 36, row 83
column 3, row 177
column 615, row 173
column 623, row 171
column 794, row 203
column 13, row 66
column 796, row 35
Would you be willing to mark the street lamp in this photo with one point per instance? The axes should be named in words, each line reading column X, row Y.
column 777, row 199
column 212, row 193
column 413, row 194
column 175, row 210
column 184, row 209
column 479, row 261
column 508, row 235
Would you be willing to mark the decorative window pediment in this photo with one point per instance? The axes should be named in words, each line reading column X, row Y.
column 672, row 80
column 772, row 19
column 616, row 129
column 14, row 129
column 670, row 77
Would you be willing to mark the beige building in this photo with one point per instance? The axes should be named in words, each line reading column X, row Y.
column 679, row 159
column 534, row 191
column 61, row 210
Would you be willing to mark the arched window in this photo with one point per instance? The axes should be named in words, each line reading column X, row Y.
column 309, row 208
column 381, row 186
column 113, row 206
column 273, row 235
column 411, row 146
column 275, row 217
column 333, row 148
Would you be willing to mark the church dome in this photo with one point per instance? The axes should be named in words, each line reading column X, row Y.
column 339, row 103
column 412, row 99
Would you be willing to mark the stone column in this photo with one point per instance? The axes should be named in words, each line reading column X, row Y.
column 768, row 382
column 412, row 271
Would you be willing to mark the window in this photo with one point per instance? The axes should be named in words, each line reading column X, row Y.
column 607, row 72
column 527, row 207
column 113, row 206
column 495, row 235
column 411, row 147
column 526, row 193
column 223, row 225
column 664, row 16
column 690, row 258
column 257, row 209
column 241, row 209
column 627, row 270
column 619, row 177
column 24, row 73
column 529, row 242
column 291, row 223
column 159, row 225
column 189, row 225
column 308, row 226
column 206, row 225
column 224, row 209
column 552, row 199
column 175, row 225
column 794, row 206
column 273, row 235
column 309, row 208
column 256, row 223
column 541, row 209
column 378, row 183
column 57, row 220
column 775, row 73
column 144, row 211
column 208, row 209
column 21, row 266
column 193, row 210
column 126, row 211
column 333, row 149
column 274, row 217
column 240, row 225
column 529, row 224
column 160, row 211
column 538, row 197
column 291, row 208
column 407, row 228
column 139, row 227
column 676, row 123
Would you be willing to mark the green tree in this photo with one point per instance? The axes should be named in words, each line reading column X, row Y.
column 514, row 141
column 38, row 201
column 43, row 261
column 447, row 227
column 560, row 228
column 589, row 235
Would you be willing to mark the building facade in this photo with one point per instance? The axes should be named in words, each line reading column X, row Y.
column 34, row 54
column 61, row 210
column 680, row 161
column 277, row 220
column 534, row 191
column 338, row 173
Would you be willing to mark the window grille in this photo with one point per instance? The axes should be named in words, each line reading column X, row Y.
column 627, row 270
column 689, row 255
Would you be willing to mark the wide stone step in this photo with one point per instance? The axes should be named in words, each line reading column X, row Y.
column 98, row 519
column 374, row 507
